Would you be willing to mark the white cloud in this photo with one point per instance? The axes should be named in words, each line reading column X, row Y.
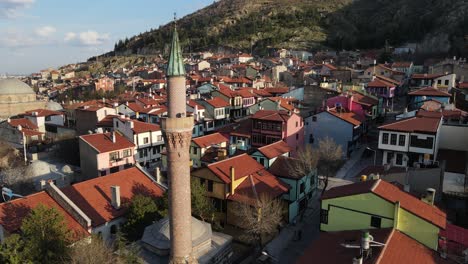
column 11, row 8
column 87, row 38
column 70, row 36
column 13, row 38
column 45, row 31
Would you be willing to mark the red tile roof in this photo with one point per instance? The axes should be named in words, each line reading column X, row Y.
column 463, row 85
column 401, row 64
column 12, row 213
column 43, row 112
column 380, row 83
column 426, row 76
column 349, row 117
column 414, row 124
column 24, row 123
column 103, row 142
column 142, row 127
column 364, row 99
column 256, row 185
column 244, row 165
column 241, row 128
column 275, row 149
column 399, row 248
column 217, row 102
column 429, row 91
column 93, row 197
column 392, row 194
column 208, row 140
column 277, row 90
column 272, row 115
column 192, row 104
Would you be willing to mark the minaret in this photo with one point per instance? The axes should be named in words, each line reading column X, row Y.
column 177, row 130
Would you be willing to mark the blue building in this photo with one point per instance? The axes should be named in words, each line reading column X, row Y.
column 418, row 97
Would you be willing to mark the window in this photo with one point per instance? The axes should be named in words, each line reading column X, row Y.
column 393, row 139
column 301, row 187
column 48, row 118
column 311, row 139
column 389, row 157
column 312, row 181
column 261, row 161
column 314, row 119
column 160, row 138
column 375, row 221
column 297, row 124
column 399, row 159
column 194, row 150
column 323, row 216
column 421, row 142
column 297, row 136
column 385, row 138
column 113, row 155
column 401, row 140
column 210, row 186
column 113, row 229
column 439, row 82
column 127, row 153
column 447, row 82
column 202, row 181
column 145, row 140
column 116, row 124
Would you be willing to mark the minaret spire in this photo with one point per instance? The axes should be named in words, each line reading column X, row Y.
column 175, row 67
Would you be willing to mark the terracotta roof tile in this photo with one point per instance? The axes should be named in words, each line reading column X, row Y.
column 208, row 140
column 414, row 124
column 463, row 85
column 94, row 196
column 275, row 149
column 103, row 143
column 349, row 117
column 218, row 102
column 272, row 115
column 12, row 213
column 43, row 112
column 392, row 194
column 426, row 76
column 24, row 123
column 429, row 91
column 142, row 127
column 244, row 165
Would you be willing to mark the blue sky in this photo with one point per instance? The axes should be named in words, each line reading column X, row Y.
column 37, row 34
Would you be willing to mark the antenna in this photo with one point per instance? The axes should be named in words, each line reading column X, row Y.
column 175, row 20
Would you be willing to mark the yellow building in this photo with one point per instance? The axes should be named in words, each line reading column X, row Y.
column 378, row 204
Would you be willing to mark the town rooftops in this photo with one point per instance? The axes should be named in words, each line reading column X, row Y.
column 142, row 127
column 272, row 115
column 217, row 102
column 414, row 125
column 208, row 140
column 102, row 142
column 244, row 165
column 12, row 213
column 23, row 122
column 349, row 117
column 380, row 84
column 399, row 248
column 93, row 196
column 429, row 91
column 274, row 150
column 426, row 76
column 42, row 112
column 393, row 194
column 364, row 99
column 463, row 85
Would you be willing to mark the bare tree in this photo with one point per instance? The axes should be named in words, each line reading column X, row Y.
column 330, row 155
column 95, row 252
column 260, row 219
column 306, row 161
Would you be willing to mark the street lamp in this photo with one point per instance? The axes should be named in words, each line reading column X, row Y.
column 375, row 153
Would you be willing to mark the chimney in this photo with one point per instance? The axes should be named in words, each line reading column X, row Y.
column 113, row 137
column 35, row 113
column 43, row 184
column 350, row 103
column 157, row 174
column 131, row 124
column 429, row 197
column 233, row 178
column 115, row 192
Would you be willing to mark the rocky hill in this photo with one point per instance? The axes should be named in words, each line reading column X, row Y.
column 440, row 26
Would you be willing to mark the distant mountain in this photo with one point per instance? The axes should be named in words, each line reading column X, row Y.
column 440, row 26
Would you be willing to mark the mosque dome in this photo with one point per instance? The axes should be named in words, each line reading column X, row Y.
column 14, row 86
column 54, row 106
column 159, row 238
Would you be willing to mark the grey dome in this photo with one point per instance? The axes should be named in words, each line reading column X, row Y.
column 14, row 86
column 38, row 168
column 67, row 169
column 54, row 106
column 158, row 234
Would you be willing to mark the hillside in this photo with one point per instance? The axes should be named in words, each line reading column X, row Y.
column 441, row 26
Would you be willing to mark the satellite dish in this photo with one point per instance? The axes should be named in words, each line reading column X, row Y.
column 7, row 194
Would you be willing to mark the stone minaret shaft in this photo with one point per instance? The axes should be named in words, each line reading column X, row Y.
column 177, row 129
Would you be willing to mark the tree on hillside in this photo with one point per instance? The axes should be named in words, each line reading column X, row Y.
column 12, row 250
column 330, row 155
column 260, row 219
column 142, row 211
column 45, row 235
column 202, row 207
column 95, row 252
column 307, row 161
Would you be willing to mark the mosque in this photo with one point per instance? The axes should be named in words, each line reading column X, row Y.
column 17, row 97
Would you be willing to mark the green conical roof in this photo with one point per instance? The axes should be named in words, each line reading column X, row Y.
column 175, row 66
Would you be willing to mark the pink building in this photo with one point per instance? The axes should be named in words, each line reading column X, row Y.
column 357, row 103
column 101, row 154
column 105, row 84
column 270, row 126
